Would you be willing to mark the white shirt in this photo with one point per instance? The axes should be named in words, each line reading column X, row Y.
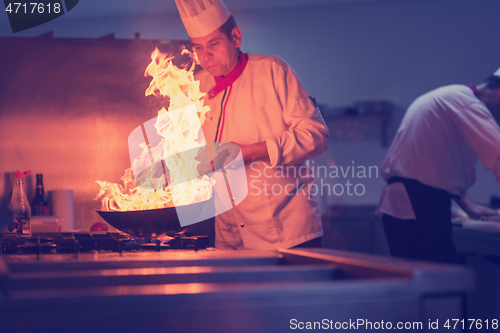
column 442, row 135
column 269, row 103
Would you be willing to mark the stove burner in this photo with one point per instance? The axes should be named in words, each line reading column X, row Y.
column 95, row 242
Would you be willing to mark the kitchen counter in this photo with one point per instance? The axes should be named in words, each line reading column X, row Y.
column 477, row 237
column 222, row 291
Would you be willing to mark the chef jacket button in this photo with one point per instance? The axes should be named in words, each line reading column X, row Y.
column 242, row 225
column 212, row 118
column 234, row 199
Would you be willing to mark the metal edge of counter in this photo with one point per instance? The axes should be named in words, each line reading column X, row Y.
column 444, row 277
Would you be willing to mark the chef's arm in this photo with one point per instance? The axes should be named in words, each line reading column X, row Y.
column 307, row 134
column 475, row 211
column 304, row 140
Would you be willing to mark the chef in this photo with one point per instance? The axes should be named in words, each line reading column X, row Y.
column 432, row 162
column 258, row 103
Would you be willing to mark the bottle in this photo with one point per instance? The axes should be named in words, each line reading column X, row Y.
column 40, row 205
column 20, row 207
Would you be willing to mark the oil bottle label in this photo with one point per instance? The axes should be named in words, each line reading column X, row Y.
column 22, row 225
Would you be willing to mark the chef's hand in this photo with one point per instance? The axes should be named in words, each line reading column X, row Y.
column 226, row 153
column 203, row 157
column 221, row 157
column 477, row 212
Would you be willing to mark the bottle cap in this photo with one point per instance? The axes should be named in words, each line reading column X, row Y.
column 20, row 174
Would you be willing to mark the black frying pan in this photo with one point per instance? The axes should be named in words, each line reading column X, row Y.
column 144, row 223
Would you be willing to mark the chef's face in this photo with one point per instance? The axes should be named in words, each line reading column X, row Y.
column 217, row 53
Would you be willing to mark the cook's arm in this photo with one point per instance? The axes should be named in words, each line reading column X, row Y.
column 481, row 132
column 307, row 135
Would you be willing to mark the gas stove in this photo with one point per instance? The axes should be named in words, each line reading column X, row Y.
column 100, row 242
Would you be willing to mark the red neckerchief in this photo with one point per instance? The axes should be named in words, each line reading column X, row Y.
column 222, row 82
column 474, row 90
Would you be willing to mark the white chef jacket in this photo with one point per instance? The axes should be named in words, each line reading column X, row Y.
column 269, row 103
column 442, row 135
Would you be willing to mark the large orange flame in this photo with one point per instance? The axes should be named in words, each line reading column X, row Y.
column 180, row 129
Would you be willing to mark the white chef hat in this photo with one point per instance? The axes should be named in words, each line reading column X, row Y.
column 202, row 17
column 497, row 73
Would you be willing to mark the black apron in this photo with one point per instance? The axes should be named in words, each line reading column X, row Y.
column 429, row 237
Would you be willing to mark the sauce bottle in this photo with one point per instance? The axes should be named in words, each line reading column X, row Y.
column 20, row 207
column 40, row 205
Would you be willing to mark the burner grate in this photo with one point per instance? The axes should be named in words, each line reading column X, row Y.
column 43, row 243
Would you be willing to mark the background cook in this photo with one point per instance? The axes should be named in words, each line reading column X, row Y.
column 432, row 161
